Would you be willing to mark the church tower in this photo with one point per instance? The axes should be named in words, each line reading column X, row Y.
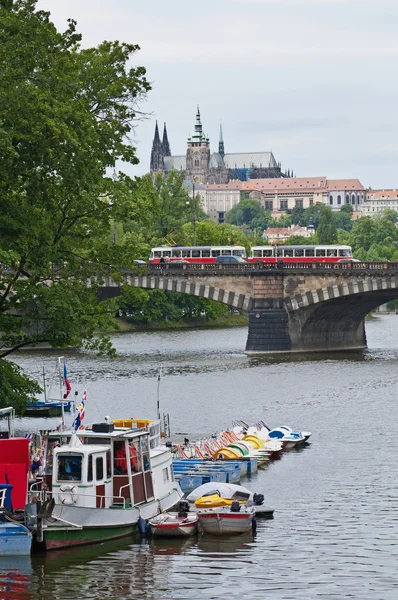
column 157, row 155
column 165, row 143
column 221, row 144
column 198, row 153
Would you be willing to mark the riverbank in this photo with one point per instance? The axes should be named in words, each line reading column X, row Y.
column 236, row 320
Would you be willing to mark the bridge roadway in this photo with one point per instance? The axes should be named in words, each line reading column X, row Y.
column 297, row 307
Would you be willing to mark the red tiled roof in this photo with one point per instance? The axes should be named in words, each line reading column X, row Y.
column 344, row 184
column 285, row 183
column 382, row 194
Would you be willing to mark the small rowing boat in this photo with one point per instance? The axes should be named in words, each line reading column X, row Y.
column 173, row 525
column 227, row 520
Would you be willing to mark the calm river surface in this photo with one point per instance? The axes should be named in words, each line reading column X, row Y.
column 335, row 531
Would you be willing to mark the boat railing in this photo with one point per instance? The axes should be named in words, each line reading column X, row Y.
column 37, row 495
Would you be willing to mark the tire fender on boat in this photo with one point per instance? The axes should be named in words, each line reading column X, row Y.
column 68, row 494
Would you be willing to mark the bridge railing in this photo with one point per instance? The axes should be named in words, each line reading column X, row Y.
column 279, row 267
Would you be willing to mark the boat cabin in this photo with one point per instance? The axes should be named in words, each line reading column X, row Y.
column 100, row 467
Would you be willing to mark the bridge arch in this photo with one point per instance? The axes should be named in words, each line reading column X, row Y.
column 238, row 301
column 332, row 317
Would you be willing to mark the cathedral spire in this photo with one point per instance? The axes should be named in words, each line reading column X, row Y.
column 165, row 143
column 198, row 135
column 157, row 162
column 221, row 143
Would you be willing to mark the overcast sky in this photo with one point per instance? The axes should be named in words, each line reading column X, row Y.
column 315, row 81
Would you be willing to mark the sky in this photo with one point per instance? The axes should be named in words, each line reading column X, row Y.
column 314, row 81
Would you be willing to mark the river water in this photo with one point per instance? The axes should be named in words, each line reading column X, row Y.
column 335, row 530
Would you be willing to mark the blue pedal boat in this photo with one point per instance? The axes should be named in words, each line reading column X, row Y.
column 15, row 538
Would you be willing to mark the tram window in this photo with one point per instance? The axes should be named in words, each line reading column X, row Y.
column 205, row 253
column 320, row 252
column 166, row 253
column 226, row 252
column 309, row 252
column 267, row 253
column 176, row 253
column 90, row 468
column 257, row 253
column 186, row 254
column 236, row 252
column 299, row 253
column 279, row 252
column 195, row 253
column 157, row 254
column 215, row 252
column 289, row 252
column 332, row 252
column 99, row 468
column 344, row 252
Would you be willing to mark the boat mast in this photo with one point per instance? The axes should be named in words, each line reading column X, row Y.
column 60, row 392
column 158, row 394
column 44, row 385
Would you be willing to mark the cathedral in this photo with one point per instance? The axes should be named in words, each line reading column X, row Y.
column 203, row 166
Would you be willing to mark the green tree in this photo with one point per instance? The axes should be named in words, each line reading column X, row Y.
column 326, row 232
column 246, row 211
column 65, row 116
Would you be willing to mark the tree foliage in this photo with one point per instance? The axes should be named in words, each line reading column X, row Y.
column 65, row 116
column 327, row 231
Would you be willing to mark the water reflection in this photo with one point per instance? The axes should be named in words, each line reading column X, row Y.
column 15, row 577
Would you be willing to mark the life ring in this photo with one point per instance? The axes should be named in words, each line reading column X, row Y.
column 68, row 494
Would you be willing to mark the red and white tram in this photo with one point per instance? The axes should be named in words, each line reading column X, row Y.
column 321, row 253
column 194, row 254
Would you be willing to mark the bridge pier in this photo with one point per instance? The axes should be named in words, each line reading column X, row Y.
column 268, row 331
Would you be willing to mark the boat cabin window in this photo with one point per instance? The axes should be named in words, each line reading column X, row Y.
column 99, row 468
column 145, row 454
column 108, row 465
column 120, row 461
column 69, row 467
column 166, row 475
column 90, row 468
column 135, row 461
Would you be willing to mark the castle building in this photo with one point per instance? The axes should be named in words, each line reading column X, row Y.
column 203, row 166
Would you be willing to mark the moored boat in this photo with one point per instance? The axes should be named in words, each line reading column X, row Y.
column 234, row 519
column 174, row 524
column 99, row 481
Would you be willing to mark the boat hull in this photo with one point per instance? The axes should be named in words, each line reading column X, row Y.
column 61, row 538
column 225, row 523
column 173, row 526
column 15, row 540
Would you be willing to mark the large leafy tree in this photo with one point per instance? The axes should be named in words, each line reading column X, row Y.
column 65, row 116
column 326, row 232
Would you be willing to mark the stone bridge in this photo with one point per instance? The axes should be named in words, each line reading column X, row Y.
column 291, row 308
